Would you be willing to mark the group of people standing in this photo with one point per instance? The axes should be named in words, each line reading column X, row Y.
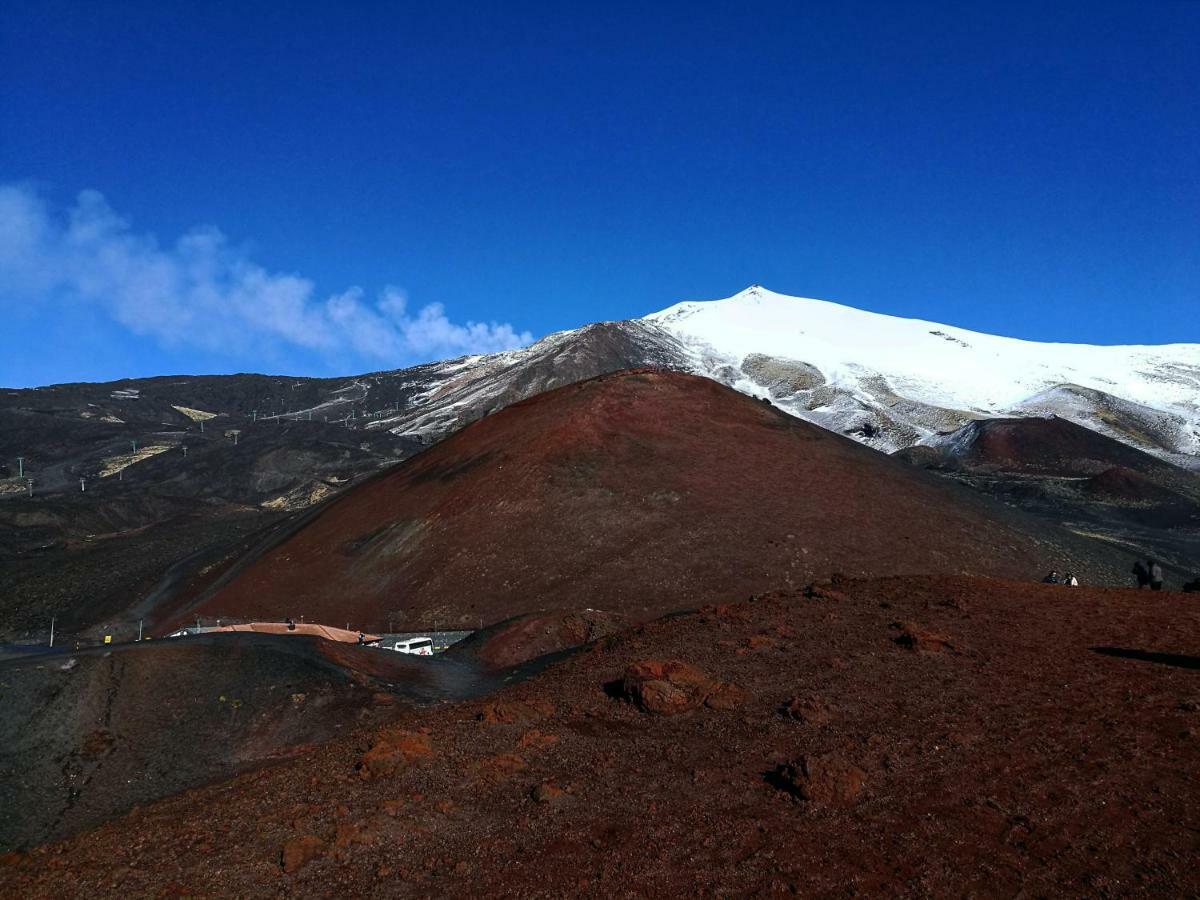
column 1148, row 574
column 1068, row 579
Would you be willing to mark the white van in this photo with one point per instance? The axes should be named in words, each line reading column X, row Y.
column 419, row 646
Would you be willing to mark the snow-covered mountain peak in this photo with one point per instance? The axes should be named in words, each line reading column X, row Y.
column 893, row 381
column 889, row 382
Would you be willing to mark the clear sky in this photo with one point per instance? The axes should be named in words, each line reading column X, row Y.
column 332, row 187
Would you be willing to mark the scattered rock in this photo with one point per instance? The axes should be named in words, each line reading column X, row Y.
column 537, row 740
column 392, row 749
column 824, row 592
column 673, row 687
column 733, row 612
column 920, row 640
column 97, row 743
column 550, row 794
column 666, row 688
column 515, row 712
column 500, row 767
column 808, row 710
column 349, row 833
column 728, row 696
column 299, row 852
column 827, row 780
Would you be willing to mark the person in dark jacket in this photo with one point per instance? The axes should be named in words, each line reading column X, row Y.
column 1192, row 587
column 1052, row 578
column 1156, row 576
column 1142, row 574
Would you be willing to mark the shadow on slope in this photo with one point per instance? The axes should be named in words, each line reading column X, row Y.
column 89, row 734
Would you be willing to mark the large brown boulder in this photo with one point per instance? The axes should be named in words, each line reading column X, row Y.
column 671, row 687
column 921, row 640
column 827, row 780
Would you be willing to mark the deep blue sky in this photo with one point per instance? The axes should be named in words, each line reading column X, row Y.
column 1025, row 169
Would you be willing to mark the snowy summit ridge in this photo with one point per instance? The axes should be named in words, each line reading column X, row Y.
column 886, row 381
column 894, row 382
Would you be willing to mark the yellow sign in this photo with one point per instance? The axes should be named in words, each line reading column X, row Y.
column 108, row 639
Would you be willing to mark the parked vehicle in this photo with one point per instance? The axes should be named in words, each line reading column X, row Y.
column 418, row 646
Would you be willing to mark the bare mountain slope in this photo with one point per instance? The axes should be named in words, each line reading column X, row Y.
column 640, row 492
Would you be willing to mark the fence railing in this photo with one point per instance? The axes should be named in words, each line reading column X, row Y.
column 33, row 641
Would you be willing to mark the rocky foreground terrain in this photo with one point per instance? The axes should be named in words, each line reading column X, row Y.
column 915, row 736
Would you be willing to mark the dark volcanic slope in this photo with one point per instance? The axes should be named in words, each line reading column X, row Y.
column 1045, row 446
column 89, row 734
column 985, row 749
column 640, row 492
column 1070, row 475
column 271, row 445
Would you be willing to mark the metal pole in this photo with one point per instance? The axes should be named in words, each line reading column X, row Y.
column 20, row 467
column 52, row 631
column 139, row 629
column 30, row 487
column 82, row 484
column 134, row 445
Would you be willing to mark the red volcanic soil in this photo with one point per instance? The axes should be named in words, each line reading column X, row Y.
column 522, row 638
column 639, row 493
column 920, row 736
column 1051, row 446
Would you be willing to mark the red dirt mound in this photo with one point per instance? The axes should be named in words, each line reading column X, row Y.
column 639, row 492
column 1050, row 446
column 1027, row 764
column 523, row 638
